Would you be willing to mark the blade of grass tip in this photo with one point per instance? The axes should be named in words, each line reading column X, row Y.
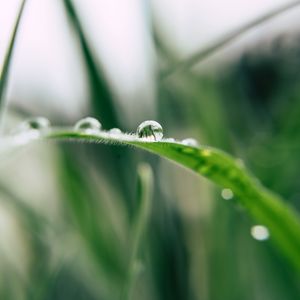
column 4, row 71
column 201, row 55
column 145, row 188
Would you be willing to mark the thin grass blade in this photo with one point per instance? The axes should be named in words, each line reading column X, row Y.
column 202, row 54
column 4, row 72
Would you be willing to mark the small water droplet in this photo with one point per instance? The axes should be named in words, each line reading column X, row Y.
column 260, row 232
column 190, row 142
column 36, row 123
column 171, row 140
column 88, row 125
column 115, row 131
column 227, row 194
column 150, row 130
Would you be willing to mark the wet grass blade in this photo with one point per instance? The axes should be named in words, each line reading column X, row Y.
column 4, row 72
column 201, row 55
column 262, row 205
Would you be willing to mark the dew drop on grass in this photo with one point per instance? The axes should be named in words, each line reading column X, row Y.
column 88, row 125
column 150, row 130
column 115, row 131
column 30, row 129
column 190, row 142
column 170, row 140
column 260, row 232
column 227, row 194
column 36, row 123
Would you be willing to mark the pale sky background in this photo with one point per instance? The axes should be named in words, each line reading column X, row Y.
column 47, row 61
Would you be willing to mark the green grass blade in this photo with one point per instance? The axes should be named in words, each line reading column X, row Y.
column 201, row 55
column 4, row 72
column 261, row 204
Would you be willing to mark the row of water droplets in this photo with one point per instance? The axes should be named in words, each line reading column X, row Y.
column 258, row 232
column 147, row 130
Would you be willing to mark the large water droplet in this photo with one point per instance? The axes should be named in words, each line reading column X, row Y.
column 88, row 125
column 190, row 142
column 115, row 131
column 227, row 194
column 36, row 123
column 150, row 130
column 260, row 232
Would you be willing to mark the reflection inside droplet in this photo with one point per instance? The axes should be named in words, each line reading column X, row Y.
column 150, row 130
column 260, row 232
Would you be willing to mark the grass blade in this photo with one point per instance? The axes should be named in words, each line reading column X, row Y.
column 262, row 205
column 201, row 55
column 4, row 72
column 101, row 96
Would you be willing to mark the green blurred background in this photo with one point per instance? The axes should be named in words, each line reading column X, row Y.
column 68, row 211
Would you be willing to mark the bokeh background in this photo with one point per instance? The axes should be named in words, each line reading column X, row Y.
column 67, row 210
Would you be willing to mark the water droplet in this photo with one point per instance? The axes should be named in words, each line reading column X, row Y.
column 227, row 194
column 150, row 130
column 171, row 140
column 88, row 125
column 36, row 123
column 115, row 131
column 190, row 142
column 260, row 232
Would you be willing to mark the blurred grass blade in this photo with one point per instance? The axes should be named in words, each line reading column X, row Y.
column 145, row 188
column 201, row 55
column 100, row 94
column 91, row 221
column 4, row 71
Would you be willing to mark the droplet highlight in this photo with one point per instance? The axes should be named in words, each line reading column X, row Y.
column 190, row 142
column 227, row 194
column 151, row 130
column 88, row 125
column 260, row 232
